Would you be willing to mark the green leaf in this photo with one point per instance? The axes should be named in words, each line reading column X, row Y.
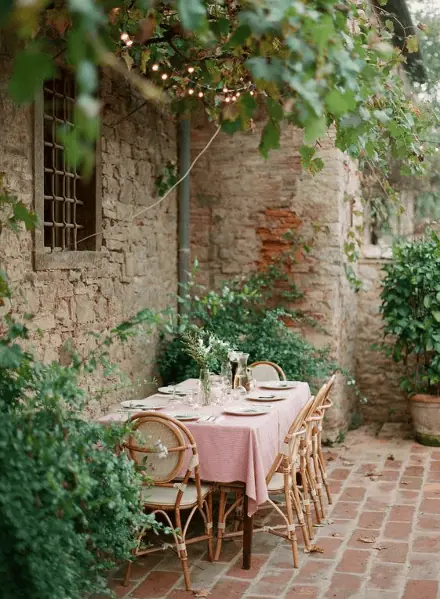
column 5, row 9
column 436, row 315
column 261, row 68
column 307, row 153
column 322, row 31
column 270, row 138
column 389, row 25
column 412, row 43
column 240, row 35
column 275, row 109
column 31, row 68
column 247, row 105
column 340, row 103
column 220, row 27
column 192, row 14
column 21, row 213
column 314, row 128
column 87, row 77
column 381, row 116
column 316, row 165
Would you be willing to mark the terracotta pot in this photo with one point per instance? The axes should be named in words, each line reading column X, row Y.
column 425, row 411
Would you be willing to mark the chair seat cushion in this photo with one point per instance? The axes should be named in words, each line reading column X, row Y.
column 166, row 496
column 277, row 482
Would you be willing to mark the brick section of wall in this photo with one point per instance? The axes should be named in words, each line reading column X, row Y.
column 376, row 375
column 139, row 259
column 241, row 207
column 274, row 236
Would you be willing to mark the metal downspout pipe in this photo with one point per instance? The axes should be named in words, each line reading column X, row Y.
column 184, row 149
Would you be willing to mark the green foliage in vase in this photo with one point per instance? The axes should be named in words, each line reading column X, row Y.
column 240, row 313
column 411, row 311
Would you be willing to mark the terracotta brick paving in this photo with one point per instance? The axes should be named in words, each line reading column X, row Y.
column 386, row 490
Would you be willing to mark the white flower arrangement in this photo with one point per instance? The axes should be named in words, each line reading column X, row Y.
column 206, row 354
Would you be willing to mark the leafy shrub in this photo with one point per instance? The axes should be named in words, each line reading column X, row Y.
column 69, row 504
column 411, row 311
column 239, row 314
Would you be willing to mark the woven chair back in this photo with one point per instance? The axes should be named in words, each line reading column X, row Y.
column 267, row 371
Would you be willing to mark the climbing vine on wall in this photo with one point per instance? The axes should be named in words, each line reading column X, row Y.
column 310, row 63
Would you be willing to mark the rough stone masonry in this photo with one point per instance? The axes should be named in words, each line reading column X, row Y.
column 137, row 264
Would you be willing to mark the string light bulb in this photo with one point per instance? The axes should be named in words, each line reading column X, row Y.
column 234, row 98
column 251, row 92
column 200, row 94
column 125, row 36
column 129, row 43
column 191, row 69
column 164, row 76
column 227, row 99
column 225, row 90
column 155, row 67
column 190, row 92
column 238, row 94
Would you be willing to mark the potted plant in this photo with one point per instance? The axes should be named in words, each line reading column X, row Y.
column 411, row 311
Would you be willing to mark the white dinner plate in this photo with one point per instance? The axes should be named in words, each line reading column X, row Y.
column 169, row 391
column 186, row 416
column 263, row 396
column 153, row 403
column 279, row 385
column 247, row 410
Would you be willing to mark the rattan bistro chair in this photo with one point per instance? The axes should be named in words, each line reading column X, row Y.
column 267, row 371
column 317, row 455
column 281, row 480
column 168, row 494
column 315, row 467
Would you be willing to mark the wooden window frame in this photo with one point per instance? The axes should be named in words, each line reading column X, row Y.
column 70, row 259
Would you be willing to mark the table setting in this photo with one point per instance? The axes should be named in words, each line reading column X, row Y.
column 239, row 424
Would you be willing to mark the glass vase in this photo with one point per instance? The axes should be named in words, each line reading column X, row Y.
column 241, row 375
column 204, row 387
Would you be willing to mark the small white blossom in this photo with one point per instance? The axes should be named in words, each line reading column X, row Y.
column 161, row 449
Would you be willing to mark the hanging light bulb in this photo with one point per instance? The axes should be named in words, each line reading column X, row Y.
column 155, row 67
column 225, row 90
column 129, row 43
column 191, row 69
column 227, row 99
column 164, row 76
column 251, row 92
column 238, row 94
column 190, row 92
column 200, row 94
column 234, row 98
column 125, row 36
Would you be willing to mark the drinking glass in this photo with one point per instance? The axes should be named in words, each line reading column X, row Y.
column 227, row 395
column 252, row 384
column 239, row 393
column 192, row 399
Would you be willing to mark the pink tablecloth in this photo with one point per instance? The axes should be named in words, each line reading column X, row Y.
column 241, row 448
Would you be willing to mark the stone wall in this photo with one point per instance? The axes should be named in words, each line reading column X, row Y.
column 376, row 375
column 137, row 266
column 241, row 207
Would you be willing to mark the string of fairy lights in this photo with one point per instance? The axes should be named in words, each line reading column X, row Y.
column 195, row 88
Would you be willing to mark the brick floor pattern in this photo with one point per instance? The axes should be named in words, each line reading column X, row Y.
column 381, row 539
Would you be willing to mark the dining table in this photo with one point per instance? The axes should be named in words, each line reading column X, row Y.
column 237, row 448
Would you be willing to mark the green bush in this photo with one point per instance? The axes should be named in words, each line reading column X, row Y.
column 411, row 311
column 69, row 504
column 239, row 313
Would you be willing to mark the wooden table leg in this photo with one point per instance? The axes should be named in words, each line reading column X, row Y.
column 248, row 529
